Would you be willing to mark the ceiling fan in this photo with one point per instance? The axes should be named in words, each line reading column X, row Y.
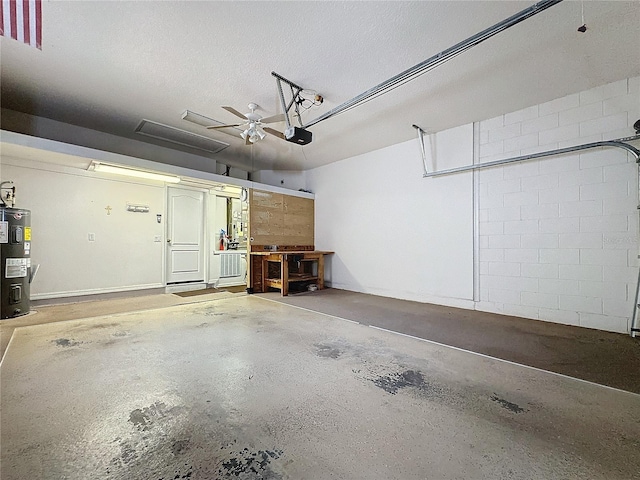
column 254, row 122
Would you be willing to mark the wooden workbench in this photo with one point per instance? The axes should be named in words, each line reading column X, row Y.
column 296, row 266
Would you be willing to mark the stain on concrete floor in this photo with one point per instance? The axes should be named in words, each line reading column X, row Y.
column 266, row 391
column 249, row 464
column 65, row 342
column 327, row 351
column 512, row 407
column 406, row 379
column 145, row 418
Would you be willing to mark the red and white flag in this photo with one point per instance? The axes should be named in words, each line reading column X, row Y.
column 22, row 21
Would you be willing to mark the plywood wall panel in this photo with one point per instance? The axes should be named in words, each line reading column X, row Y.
column 298, row 205
column 282, row 220
column 269, row 200
column 299, row 220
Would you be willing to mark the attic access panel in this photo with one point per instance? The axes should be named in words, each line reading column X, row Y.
column 177, row 136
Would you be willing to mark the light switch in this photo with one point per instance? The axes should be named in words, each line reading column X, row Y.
column 92, row 237
column 157, row 238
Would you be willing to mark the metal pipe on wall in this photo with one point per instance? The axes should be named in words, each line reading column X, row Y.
column 634, row 317
column 618, row 143
column 634, row 330
column 421, row 133
column 476, row 214
column 438, row 59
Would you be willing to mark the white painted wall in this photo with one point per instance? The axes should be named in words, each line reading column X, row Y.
column 559, row 236
column 394, row 232
column 233, row 172
column 293, row 180
column 66, row 205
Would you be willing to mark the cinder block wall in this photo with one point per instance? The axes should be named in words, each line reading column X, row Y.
column 559, row 236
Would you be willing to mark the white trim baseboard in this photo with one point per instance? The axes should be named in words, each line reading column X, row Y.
column 93, row 291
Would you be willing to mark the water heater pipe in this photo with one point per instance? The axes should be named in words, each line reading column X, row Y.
column 11, row 195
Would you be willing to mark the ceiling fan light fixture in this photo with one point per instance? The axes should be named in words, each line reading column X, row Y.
column 257, row 135
column 253, row 133
column 254, row 124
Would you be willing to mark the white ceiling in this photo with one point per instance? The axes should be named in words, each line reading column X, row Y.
column 107, row 65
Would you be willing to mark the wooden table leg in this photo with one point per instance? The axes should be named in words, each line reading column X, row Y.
column 265, row 273
column 284, row 274
column 320, row 272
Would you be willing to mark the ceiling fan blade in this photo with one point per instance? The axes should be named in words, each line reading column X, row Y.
column 235, row 112
column 273, row 118
column 274, row 132
column 224, row 126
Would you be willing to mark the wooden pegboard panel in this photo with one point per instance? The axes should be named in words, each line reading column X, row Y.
column 280, row 221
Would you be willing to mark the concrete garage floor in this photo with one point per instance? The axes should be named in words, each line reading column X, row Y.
column 86, row 307
column 247, row 388
column 605, row 358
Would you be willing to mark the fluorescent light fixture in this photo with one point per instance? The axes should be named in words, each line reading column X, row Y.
column 227, row 190
column 130, row 172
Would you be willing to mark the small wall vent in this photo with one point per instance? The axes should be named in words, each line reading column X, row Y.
column 230, row 265
column 177, row 136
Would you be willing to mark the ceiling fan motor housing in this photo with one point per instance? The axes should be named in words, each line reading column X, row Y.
column 297, row 135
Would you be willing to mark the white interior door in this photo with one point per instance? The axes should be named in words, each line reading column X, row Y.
column 185, row 237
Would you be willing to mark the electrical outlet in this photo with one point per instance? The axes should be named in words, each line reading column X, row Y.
column 157, row 238
column 92, row 237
